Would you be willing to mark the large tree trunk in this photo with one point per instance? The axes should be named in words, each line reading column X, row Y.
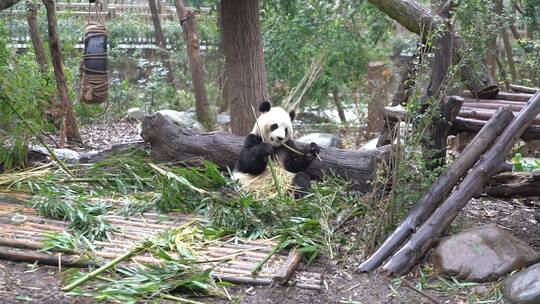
column 245, row 81
column 37, row 43
column 69, row 121
column 440, row 189
column 473, row 183
column 417, row 19
column 171, row 143
column 160, row 40
column 188, row 22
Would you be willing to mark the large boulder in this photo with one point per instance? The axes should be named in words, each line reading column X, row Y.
column 183, row 119
column 524, row 286
column 134, row 114
column 323, row 140
column 482, row 254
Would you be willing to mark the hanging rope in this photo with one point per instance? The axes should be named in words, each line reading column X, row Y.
column 93, row 66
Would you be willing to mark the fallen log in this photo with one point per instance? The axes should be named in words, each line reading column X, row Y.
column 440, row 220
column 501, row 95
column 29, row 256
column 169, row 142
column 514, row 184
column 493, row 101
column 486, row 114
column 460, row 124
column 492, row 106
column 440, row 189
column 466, row 125
column 523, row 89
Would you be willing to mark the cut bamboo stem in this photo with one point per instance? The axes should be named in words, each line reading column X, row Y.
column 136, row 250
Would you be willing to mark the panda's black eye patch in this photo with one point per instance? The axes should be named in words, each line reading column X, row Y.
column 286, row 131
column 273, row 127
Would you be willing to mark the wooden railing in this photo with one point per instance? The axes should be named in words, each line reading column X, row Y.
column 109, row 10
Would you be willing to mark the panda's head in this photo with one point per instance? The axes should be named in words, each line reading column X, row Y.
column 274, row 124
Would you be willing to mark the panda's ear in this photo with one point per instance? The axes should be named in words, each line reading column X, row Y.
column 292, row 114
column 265, row 106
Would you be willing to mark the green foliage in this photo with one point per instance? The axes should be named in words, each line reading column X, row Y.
column 24, row 90
column 295, row 32
column 151, row 282
column 522, row 164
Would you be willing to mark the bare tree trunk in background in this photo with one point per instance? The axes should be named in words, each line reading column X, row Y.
column 188, row 22
column 69, row 122
column 499, row 8
column 491, row 56
column 339, row 106
column 39, row 50
column 434, row 146
column 245, row 77
column 33, row 31
column 160, row 40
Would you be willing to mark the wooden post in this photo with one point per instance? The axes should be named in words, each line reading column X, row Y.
column 188, row 22
column 376, row 93
column 69, row 122
column 440, row 189
column 473, row 183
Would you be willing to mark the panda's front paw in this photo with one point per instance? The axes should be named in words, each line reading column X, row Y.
column 265, row 149
column 311, row 151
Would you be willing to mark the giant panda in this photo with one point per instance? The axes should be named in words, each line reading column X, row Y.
column 271, row 137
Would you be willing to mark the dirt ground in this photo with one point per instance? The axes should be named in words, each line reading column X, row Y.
column 28, row 283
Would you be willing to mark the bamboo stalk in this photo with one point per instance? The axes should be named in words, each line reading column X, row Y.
column 261, row 263
column 136, row 250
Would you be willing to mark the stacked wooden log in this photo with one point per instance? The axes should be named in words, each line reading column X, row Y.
column 475, row 112
column 436, row 210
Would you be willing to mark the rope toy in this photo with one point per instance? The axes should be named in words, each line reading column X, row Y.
column 94, row 88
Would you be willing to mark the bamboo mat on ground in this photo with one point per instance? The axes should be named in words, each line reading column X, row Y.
column 23, row 242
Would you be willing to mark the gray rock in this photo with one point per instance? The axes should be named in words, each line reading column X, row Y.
column 183, row 119
column 312, row 117
column 323, row 140
column 67, row 155
column 370, row 145
column 134, row 114
column 223, row 118
column 523, row 287
column 482, row 254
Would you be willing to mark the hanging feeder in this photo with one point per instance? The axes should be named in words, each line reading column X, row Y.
column 94, row 87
